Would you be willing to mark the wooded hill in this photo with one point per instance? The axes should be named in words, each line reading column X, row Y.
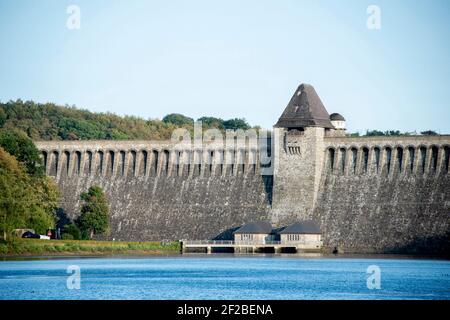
column 52, row 122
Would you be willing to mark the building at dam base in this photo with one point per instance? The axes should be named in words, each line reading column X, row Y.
column 368, row 194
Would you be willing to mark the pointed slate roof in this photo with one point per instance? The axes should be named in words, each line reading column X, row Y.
column 255, row 227
column 305, row 110
column 302, row 227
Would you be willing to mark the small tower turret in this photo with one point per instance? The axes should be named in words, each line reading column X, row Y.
column 338, row 122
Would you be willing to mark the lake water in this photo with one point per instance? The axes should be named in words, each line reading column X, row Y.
column 225, row 277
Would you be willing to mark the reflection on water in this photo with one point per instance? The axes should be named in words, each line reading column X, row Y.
column 198, row 276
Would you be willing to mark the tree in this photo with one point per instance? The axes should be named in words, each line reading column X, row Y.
column 371, row 133
column 236, row 123
column 429, row 133
column 394, row 133
column 2, row 117
column 72, row 230
column 52, row 122
column 211, row 122
column 94, row 218
column 178, row 119
column 17, row 143
column 25, row 201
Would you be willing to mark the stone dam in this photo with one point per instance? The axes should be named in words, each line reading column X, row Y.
column 387, row 194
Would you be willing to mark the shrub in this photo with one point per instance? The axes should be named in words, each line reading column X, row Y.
column 67, row 236
column 73, row 231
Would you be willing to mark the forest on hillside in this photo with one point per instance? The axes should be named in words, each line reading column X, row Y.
column 52, row 122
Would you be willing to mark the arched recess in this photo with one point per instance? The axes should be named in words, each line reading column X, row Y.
column 122, row 162
column 434, row 158
column 132, row 163
column 342, row 161
column 220, row 163
column 187, row 162
column 446, row 159
column 88, row 163
column 376, row 159
column 154, row 163
column 253, row 161
column 198, row 159
column 209, row 162
column 231, row 162
column 177, row 166
column 423, row 158
column 44, row 157
column 365, row 159
column 330, row 159
column 399, row 159
column 54, row 163
column 241, row 162
column 143, row 159
column 165, row 162
column 354, row 153
column 100, row 162
column 388, row 159
column 77, row 163
column 411, row 158
column 66, row 162
column 111, row 159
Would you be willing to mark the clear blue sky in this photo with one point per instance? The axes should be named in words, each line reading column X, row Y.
column 233, row 58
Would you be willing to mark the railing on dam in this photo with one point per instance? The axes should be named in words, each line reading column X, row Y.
column 207, row 242
column 245, row 243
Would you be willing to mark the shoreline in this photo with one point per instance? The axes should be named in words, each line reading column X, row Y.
column 57, row 248
column 135, row 254
column 43, row 249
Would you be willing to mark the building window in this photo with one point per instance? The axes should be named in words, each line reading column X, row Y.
column 247, row 237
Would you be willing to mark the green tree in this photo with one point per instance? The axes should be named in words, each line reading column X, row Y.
column 94, row 218
column 429, row 133
column 236, row 123
column 211, row 122
column 73, row 230
column 371, row 133
column 178, row 119
column 51, row 122
column 393, row 133
column 17, row 143
column 25, row 201
column 2, row 117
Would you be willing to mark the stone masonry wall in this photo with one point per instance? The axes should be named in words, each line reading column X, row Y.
column 379, row 194
column 155, row 192
column 385, row 195
column 298, row 161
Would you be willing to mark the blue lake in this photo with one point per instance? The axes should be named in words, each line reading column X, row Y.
column 225, row 277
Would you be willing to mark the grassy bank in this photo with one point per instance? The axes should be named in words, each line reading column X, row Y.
column 84, row 247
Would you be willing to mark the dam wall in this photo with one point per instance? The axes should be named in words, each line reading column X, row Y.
column 158, row 191
column 385, row 194
column 374, row 194
column 368, row 194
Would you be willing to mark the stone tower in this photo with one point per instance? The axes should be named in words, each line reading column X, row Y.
column 298, row 156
